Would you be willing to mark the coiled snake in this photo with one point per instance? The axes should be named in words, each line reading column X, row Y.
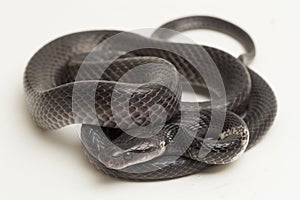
column 126, row 91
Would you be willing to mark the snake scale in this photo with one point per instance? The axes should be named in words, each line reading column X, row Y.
column 126, row 91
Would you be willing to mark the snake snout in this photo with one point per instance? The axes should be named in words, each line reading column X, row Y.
column 137, row 150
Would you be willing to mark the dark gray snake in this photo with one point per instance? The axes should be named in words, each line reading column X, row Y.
column 90, row 78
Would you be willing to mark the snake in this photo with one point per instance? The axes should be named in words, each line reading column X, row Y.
column 125, row 89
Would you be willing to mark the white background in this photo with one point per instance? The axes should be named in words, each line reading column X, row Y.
column 37, row 165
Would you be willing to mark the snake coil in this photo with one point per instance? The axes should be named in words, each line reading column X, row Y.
column 67, row 82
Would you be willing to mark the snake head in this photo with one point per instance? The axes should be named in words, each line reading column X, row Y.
column 128, row 150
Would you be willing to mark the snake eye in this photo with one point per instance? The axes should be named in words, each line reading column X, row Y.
column 127, row 155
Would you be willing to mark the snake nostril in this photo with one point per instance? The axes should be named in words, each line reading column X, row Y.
column 110, row 164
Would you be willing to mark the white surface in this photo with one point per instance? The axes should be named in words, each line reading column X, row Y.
column 36, row 165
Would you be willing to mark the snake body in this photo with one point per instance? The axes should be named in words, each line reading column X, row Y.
column 54, row 74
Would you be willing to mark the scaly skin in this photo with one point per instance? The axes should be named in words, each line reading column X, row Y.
column 63, row 89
